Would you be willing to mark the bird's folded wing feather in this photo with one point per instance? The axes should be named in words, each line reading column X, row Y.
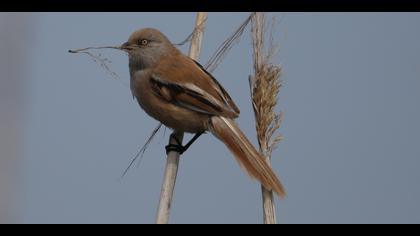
column 192, row 87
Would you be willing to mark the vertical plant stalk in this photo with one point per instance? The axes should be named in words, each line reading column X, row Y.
column 172, row 162
column 264, row 86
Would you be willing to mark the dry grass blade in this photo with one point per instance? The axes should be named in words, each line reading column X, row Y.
column 142, row 150
column 88, row 48
column 224, row 48
column 189, row 37
column 97, row 58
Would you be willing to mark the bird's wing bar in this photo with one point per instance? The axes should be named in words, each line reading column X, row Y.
column 189, row 96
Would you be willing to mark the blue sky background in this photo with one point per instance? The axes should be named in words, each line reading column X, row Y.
column 350, row 152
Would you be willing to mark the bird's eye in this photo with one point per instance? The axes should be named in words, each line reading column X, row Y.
column 143, row 42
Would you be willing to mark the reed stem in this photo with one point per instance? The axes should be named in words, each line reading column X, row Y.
column 172, row 163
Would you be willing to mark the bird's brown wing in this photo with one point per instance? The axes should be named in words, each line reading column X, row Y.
column 190, row 86
column 228, row 100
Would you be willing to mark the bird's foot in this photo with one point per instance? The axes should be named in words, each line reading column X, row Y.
column 175, row 147
column 178, row 146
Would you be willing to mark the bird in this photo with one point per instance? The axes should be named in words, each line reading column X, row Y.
column 178, row 92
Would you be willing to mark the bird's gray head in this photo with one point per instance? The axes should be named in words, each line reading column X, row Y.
column 145, row 47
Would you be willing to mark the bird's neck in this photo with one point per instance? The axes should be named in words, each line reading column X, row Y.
column 136, row 63
column 143, row 61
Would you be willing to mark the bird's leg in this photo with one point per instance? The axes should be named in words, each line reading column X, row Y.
column 178, row 147
column 192, row 141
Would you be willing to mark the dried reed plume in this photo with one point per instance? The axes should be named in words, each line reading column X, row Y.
column 265, row 87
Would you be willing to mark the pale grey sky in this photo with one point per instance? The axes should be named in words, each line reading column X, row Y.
column 350, row 152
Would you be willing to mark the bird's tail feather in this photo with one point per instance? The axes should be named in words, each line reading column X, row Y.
column 245, row 153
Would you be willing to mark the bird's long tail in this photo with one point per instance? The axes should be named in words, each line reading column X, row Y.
column 245, row 153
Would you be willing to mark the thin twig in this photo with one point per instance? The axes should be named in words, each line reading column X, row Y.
column 172, row 163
